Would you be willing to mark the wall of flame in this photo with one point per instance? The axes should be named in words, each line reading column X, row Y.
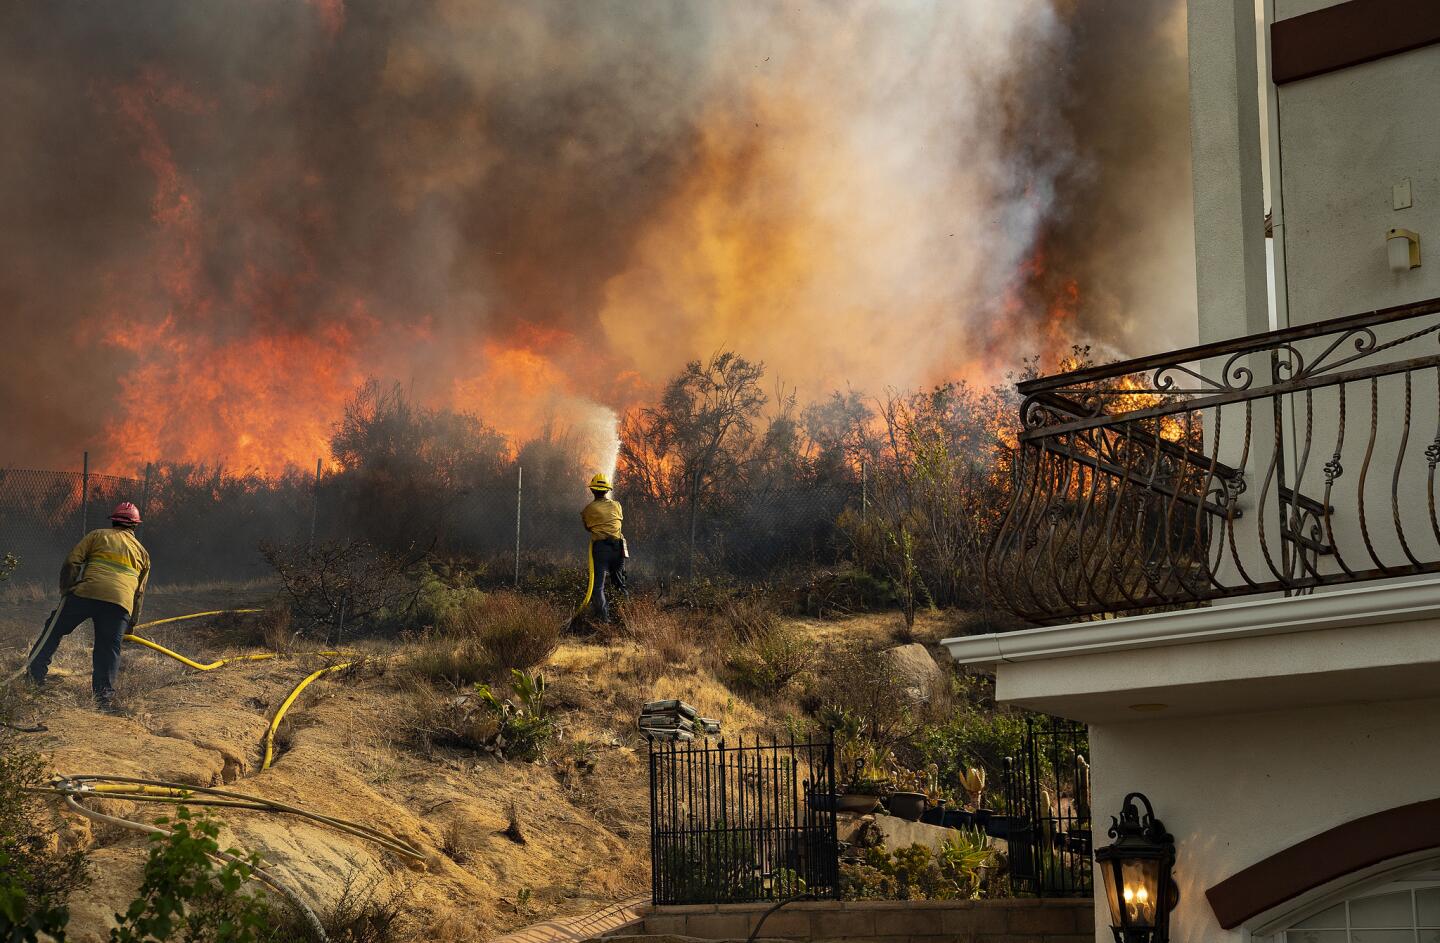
column 215, row 224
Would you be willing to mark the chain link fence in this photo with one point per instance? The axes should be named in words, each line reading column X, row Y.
column 206, row 526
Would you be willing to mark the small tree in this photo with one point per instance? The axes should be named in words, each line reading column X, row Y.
column 691, row 447
column 334, row 584
column 406, row 468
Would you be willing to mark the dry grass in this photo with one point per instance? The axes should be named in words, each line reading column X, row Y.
column 29, row 592
column 253, row 587
column 459, row 842
column 276, row 631
column 485, row 639
column 771, row 657
column 669, row 636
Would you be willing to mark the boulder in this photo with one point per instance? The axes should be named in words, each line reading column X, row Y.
column 913, row 663
column 896, row 834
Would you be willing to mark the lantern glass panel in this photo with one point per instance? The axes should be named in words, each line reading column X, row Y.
column 1112, row 896
column 1139, row 891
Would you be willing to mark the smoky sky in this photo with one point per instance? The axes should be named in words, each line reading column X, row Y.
column 399, row 183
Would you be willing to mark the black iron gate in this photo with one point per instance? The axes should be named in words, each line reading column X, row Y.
column 742, row 822
column 1047, row 799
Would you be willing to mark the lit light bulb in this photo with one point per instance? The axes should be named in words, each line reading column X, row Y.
column 1129, row 895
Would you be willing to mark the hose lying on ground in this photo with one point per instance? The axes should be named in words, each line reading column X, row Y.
column 72, row 799
column 285, row 706
column 130, row 637
column 159, row 790
column 195, row 615
column 74, row 788
column 263, row 656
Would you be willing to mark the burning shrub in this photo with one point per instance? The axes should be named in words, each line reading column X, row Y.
column 335, row 584
column 407, row 469
column 937, row 496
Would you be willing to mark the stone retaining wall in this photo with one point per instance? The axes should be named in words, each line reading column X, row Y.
column 969, row 921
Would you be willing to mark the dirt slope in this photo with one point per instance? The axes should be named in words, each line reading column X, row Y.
column 350, row 755
column 351, row 752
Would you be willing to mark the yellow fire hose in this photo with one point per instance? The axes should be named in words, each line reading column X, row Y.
column 259, row 874
column 181, row 658
column 589, row 586
column 156, row 790
column 195, row 664
column 285, row 706
column 74, row 788
column 195, row 615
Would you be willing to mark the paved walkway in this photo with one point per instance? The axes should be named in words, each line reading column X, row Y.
column 575, row 929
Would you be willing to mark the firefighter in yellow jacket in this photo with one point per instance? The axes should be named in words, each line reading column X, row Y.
column 602, row 517
column 103, row 580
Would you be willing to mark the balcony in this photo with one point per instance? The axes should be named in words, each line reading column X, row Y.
column 1275, row 464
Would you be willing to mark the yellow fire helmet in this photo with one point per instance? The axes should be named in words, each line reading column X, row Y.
column 600, row 483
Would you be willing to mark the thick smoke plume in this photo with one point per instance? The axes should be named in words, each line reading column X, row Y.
column 218, row 218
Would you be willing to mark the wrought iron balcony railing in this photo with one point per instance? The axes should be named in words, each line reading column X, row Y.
column 1275, row 463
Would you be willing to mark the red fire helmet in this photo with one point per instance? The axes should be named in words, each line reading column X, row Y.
column 126, row 513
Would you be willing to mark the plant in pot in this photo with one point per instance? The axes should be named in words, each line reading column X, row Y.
column 936, row 797
column 971, row 790
column 908, row 800
column 870, row 779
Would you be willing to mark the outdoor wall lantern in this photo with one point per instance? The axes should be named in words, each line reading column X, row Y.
column 1136, row 869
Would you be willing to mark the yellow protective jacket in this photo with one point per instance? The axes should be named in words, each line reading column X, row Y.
column 602, row 518
column 110, row 565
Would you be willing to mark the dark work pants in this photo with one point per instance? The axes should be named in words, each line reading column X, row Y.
column 609, row 559
column 111, row 623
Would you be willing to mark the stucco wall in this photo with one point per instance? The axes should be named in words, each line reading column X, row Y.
column 1345, row 138
column 1236, row 789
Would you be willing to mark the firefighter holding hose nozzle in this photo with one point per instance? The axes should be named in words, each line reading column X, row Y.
column 103, row 580
column 602, row 517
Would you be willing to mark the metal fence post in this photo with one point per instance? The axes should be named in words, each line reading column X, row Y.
column 145, row 495
column 519, row 489
column 315, row 501
column 85, row 495
column 864, row 492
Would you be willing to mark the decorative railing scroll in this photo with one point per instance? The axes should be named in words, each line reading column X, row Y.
column 1274, row 463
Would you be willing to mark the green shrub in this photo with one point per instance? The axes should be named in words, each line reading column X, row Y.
column 918, row 873
column 36, row 877
column 515, row 728
column 444, row 592
column 769, row 660
column 186, row 896
column 717, row 865
column 971, row 737
column 22, row 919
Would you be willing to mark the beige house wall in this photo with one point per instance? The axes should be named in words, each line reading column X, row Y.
column 1235, row 789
